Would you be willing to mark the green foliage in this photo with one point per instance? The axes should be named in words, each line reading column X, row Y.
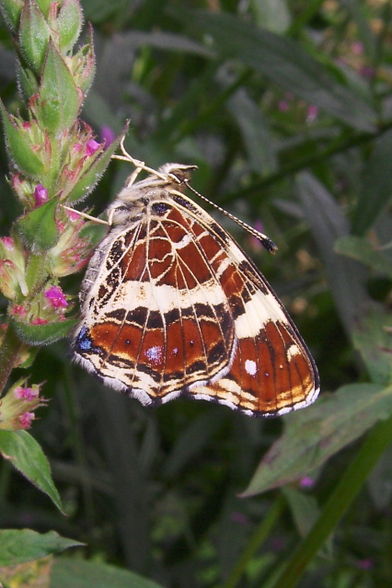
column 285, row 108
column 27, row 457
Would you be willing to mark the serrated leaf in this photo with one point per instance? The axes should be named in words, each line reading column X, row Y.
column 313, row 435
column 22, row 545
column 26, row 455
column 34, row 34
column 69, row 573
column 20, row 148
column 372, row 337
column 91, row 177
column 43, row 334
column 376, row 185
column 283, row 61
column 59, row 100
column 38, row 228
column 362, row 250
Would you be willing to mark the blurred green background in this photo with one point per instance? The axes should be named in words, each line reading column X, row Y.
column 286, row 108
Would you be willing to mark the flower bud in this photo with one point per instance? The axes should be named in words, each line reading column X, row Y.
column 17, row 406
column 72, row 251
column 12, row 268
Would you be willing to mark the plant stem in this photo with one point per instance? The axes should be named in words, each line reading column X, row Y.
column 340, row 500
column 8, row 354
column 257, row 538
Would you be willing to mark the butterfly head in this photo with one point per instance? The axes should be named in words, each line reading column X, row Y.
column 177, row 173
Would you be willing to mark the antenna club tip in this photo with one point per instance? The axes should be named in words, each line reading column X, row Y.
column 270, row 246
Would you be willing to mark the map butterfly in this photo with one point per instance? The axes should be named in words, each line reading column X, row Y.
column 171, row 306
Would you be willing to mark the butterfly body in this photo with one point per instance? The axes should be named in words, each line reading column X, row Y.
column 171, row 306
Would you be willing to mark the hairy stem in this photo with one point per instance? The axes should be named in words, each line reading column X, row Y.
column 8, row 355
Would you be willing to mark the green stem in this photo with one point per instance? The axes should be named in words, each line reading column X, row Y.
column 257, row 538
column 340, row 500
column 36, row 272
column 8, row 354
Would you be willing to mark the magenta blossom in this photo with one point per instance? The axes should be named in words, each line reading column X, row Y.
column 92, row 146
column 40, row 195
column 55, row 297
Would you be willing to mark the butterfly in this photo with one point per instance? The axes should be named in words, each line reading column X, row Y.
column 171, row 306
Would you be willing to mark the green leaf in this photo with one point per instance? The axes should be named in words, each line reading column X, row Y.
column 44, row 6
column 34, row 34
column 59, row 100
column 27, row 80
column 69, row 573
column 346, row 278
column 344, row 493
column 313, row 435
column 91, row 177
column 19, row 546
column 256, row 135
column 38, row 228
column 304, row 509
column 43, row 334
column 20, row 148
column 11, row 10
column 69, row 23
column 284, row 62
column 372, row 338
column 376, row 185
column 362, row 250
column 26, row 455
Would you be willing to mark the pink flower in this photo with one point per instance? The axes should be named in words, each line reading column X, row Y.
column 55, row 297
column 367, row 72
column 365, row 564
column 26, row 393
column 107, row 136
column 40, row 195
column 92, row 146
column 26, row 419
column 8, row 242
column 254, row 242
column 283, row 106
column 306, row 482
column 73, row 215
column 39, row 321
column 357, row 47
column 17, row 406
column 18, row 310
column 312, row 113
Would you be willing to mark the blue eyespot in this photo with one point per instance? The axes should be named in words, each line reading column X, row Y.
column 83, row 341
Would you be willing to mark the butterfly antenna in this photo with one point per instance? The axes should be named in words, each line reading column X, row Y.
column 267, row 243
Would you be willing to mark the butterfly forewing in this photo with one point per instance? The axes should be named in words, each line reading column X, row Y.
column 171, row 306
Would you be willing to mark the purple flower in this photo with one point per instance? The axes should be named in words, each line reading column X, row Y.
column 26, row 419
column 92, row 146
column 40, row 195
column 107, row 136
column 306, row 482
column 26, row 393
column 55, row 297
